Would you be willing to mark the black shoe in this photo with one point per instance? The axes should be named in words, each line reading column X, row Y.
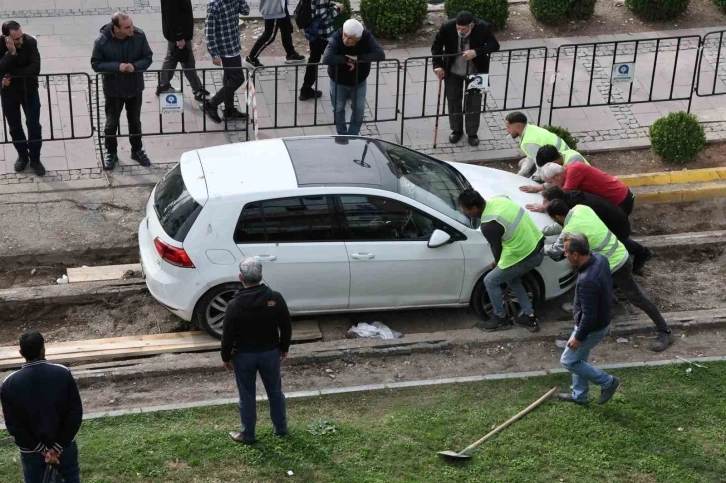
column 307, row 94
column 662, row 342
column 235, row 115
column 567, row 397
column 290, row 59
column 454, row 137
column 236, row 436
column 639, row 263
column 161, row 89
column 37, row 168
column 473, row 140
column 529, row 322
column 496, row 323
column 20, row 164
column 201, row 95
column 212, row 112
column 252, row 62
column 609, row 392
column 110, row 162
column 141, row 157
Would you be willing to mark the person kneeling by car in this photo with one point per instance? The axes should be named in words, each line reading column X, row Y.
column 517, row 245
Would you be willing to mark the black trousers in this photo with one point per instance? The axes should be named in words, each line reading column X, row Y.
column 471, row 102
column 114, row 106
column 623, row 280
column 317, row 47
column 234, row 77
column 284, row 25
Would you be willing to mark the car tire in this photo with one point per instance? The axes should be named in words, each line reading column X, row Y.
column 480, row 299
column 209, row 312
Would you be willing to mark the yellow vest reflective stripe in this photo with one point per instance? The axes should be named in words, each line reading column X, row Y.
column 541, row 137
column 571, row 155
column 582, row 219
column 521, row 234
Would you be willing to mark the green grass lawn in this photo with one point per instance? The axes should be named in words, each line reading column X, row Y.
column 664, row 425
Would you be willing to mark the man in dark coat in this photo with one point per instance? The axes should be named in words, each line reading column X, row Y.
column 177, row 25
column 19, row 67
column 122, row 53
column 462, row 49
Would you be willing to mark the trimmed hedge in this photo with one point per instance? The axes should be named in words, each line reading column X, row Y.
column 677, row 137
column 720, row 4
column 657, row 10
column 555, row 12
column 346, row 14
column 495, row 12
column 393, row 18
column 564, row 134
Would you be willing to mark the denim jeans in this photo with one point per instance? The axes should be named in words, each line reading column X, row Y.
column 170, row 64
column 34, row 466
column 30, row 103
column 512, row 276
column 582, row 372
column 113, row 108
column 339, row 95
column 624, row 281
column 246, row 366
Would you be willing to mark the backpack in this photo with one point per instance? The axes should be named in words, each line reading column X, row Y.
column 304, row 14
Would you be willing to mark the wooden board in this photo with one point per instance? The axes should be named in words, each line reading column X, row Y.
column 306, row 331
column 96, row 274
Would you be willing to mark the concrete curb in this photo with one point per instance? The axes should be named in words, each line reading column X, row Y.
column 674, row 177
column 679, row 193
column 389, row 386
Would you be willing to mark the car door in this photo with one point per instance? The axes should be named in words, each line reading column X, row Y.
column 391, row 264
column 301, row 252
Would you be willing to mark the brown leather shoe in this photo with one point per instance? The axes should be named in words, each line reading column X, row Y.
column 236, row 436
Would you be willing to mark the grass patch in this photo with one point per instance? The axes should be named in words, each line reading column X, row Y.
column 664, row 425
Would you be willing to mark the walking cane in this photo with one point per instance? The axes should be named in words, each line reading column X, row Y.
column 436, row 125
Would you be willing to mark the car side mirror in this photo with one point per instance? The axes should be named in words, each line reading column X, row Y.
column 439, row 238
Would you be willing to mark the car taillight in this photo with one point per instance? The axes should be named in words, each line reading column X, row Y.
column 173, row 255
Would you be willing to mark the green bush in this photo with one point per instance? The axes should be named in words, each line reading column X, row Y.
column 720, row 3
column 657, row 9
column 387, row 18
column 564, row 134
column 554, row 12
column 582, row 9
column 677, row 138
column 346, row 14
column 495, row 12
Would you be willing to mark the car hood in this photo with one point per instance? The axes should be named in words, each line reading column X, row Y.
column 490, row 182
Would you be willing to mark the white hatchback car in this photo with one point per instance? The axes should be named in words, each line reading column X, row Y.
column 341, row 224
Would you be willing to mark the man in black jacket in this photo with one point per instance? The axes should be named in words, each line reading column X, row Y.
column 591, row 309
column 121, row 53
column 43, row 412
column 348, row 56
column 177, row 25
column 462, row 48
column 19, row 67
column 255, row 338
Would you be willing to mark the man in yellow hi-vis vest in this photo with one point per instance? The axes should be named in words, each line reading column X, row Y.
column 516, row 244
column 582, row 219
column 531, row 137
column 549, row 154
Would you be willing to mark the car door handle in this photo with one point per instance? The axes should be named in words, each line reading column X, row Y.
column 265, row 258
column 362, row 256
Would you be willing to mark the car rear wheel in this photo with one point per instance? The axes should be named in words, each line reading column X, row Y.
column 483, row 307
column 209, row 312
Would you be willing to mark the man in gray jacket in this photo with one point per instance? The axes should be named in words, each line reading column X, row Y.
column 121, row 53
column 277, row 17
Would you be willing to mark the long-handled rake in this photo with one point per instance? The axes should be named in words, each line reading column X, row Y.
column 462, row 455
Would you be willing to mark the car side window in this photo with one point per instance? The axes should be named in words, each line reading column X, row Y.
column 285, row 220
column 377, row 218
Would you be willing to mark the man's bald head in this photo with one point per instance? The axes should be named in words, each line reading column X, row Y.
column 122, row 25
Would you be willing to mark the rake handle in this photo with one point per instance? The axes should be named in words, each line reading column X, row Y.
column 511, row 420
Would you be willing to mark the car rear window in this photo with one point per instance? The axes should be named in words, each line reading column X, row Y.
column 174, row 206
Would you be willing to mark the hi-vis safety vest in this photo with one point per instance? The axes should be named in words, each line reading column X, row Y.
column 521, row 235
column 540, row 137
column 571, row 155
column 581, row 219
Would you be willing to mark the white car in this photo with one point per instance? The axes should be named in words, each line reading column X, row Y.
column 340, row 224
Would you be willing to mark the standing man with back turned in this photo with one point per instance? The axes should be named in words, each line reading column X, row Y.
column 473, row 40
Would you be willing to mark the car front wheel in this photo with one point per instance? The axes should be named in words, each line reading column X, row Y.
column 483, row 307
column 209, row 312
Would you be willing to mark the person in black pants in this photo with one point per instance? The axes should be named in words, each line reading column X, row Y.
column 277, row 17
column 122, row 53
column 318, row 34
column 43, row 412
column 19, row 67
column 223, row 43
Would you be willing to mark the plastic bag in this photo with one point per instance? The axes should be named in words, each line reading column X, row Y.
column 375, row 330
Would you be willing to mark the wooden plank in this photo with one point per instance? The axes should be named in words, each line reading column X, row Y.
column 306, row 330
column 97, row 274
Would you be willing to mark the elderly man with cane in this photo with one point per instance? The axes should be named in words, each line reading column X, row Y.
column 473, row 40
column 255, row 338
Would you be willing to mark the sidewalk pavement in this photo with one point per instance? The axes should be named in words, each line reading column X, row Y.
column 65, row 41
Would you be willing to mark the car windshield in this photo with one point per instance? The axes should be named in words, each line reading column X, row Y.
column 431, row 182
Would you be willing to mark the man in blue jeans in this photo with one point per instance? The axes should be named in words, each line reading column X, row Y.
column 43, row 412
column 348, row 56
column 591, row 308
column 255, row 338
